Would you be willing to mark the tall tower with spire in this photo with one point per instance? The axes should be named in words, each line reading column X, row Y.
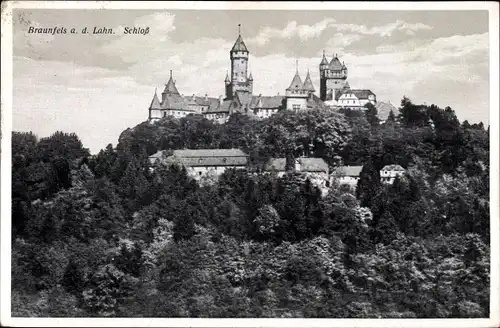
column 239, row 79
column 333, row 77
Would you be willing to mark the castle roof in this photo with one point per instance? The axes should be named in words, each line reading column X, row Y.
column 170, row 87
column 335, row 64
column 227, row 77
column 178, row 102
column 220, row 107
column 208, row 157
column 308, row 85
column 239, row 45
column 315, row 102
column 348, row 171
column 155, row 103
column 267, row 102
column 359, row 93
column 296, row 82
column 324, row 61
column 244, row 98
column 308, row 164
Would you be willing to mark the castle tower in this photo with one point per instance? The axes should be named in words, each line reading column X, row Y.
column 228, row 88
column 333, row 77
column 239, row 67
column 155, row 108
column 308, row 85
column 296, row 94
column 170, row 89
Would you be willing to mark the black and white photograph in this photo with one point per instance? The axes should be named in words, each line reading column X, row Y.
column 250, row 164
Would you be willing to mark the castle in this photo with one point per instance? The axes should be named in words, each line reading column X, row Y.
column 335, row 92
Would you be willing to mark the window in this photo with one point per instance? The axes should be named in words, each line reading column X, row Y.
column 164, row 114
column 199, row 173
column 296, row 107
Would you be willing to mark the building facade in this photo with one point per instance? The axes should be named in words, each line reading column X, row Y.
column 389, row 172
column 347, row 175
column 203, row 162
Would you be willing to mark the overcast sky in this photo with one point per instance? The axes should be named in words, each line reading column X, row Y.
column 98, row 85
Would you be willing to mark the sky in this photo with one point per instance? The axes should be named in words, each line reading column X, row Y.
column 99, row 85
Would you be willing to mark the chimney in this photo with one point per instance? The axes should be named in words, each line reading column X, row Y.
column 220, row 100
column 206, row 97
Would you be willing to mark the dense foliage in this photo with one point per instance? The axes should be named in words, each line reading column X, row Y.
column 106, row 236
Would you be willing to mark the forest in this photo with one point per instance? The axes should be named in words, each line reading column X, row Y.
column 105, row 236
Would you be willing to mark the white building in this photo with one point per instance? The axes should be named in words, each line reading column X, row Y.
column 348, row 175
column 390, row 172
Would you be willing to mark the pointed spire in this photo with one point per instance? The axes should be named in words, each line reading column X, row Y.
column 239, row 45
column 297, row 66
column 250, row 77
column 308, row 85
column 227, row 77
column 324, row 61
column 170, row 87
column 296, row 82
column 155, row 103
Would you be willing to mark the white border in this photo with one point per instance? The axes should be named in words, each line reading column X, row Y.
column 6, row 128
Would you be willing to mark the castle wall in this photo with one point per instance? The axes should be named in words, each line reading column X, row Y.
column 155, row 114
column 335, row 84
column 291, row 103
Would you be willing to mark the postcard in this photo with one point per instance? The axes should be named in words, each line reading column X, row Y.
column 250, row 164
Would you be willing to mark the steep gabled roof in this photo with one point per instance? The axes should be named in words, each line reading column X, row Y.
column 362, row 94
column 267, row 102
column 324, row 61
column 155, row 103
column 239, row 45
column 308, row 85
column 244, row 98
column 296, row 83
column 359, row 93
column 220, row 107
column 170, row 87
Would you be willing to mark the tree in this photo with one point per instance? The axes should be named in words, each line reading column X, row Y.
column 73, row 279
column 385, row 229
column 268, row 222
column 183, row 227
column 372, row 115
column 368, row 184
